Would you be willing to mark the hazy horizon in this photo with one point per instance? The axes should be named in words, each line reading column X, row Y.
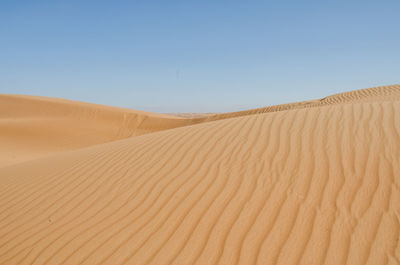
column 196, row 57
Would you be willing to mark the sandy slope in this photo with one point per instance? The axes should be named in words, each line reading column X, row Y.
column 305, row 183
column 32, row 127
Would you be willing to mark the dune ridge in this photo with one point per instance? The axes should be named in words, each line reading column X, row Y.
column 314, row 182
column 33, row 127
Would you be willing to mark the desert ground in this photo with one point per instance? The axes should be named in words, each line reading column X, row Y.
column 313, row 182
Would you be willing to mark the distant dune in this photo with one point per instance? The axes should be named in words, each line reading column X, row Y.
column 36, row 126
column 314, row 182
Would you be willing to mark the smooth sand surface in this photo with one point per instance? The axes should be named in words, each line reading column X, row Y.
column 315, row 182
column 33, row 127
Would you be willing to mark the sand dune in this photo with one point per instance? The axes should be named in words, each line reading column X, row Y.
column 32, row 127
column 313, row 182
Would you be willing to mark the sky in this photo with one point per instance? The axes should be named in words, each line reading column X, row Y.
column 197, row 56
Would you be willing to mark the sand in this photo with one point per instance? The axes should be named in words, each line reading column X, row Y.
column 315, row 182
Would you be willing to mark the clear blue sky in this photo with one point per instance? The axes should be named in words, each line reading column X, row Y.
column 197, row 56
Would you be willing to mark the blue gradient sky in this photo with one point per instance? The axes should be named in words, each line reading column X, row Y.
column 197, row 56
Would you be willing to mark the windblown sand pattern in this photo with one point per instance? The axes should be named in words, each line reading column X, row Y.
column 313, row 182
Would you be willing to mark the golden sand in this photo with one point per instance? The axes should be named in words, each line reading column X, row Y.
column 315, row 182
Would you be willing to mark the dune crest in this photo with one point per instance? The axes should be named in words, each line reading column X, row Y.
column 313, row 182
column 34, row 127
